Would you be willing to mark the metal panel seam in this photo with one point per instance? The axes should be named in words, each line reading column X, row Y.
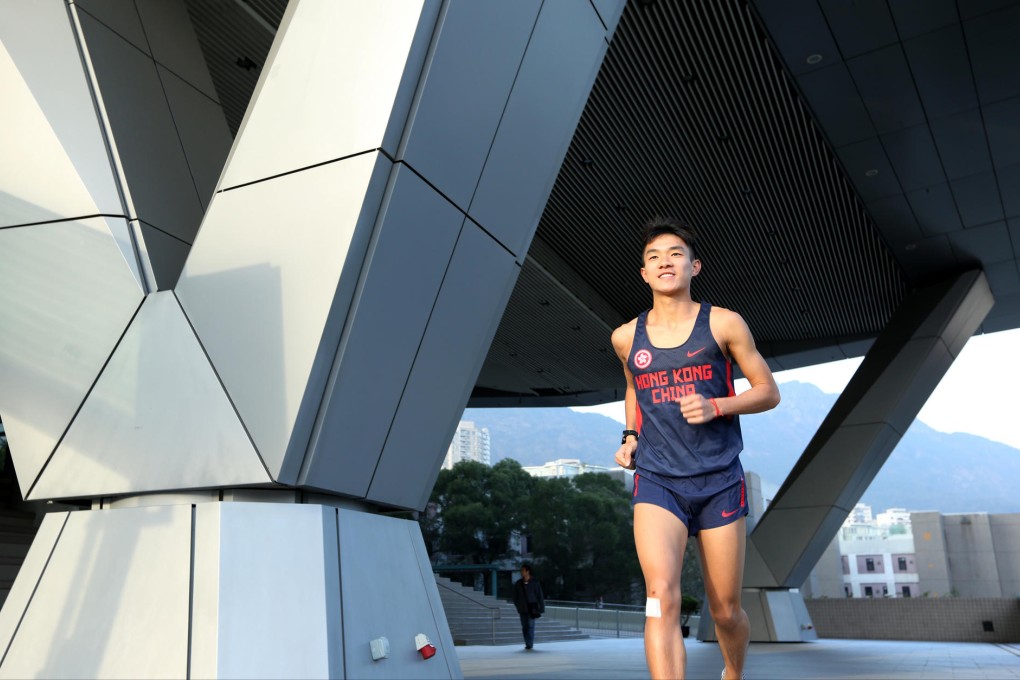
column 449, row 200
column 34, row 589
column 421, row 340
column 165, row 233
column 85, row 398
column 425, row 584
column 223, row 387
column 419, row 88
column 191, row 590
column 148, row 281
column 296, row 170
column 345, row 329
column 340, row 580
column 510, row 94
column 79, row 218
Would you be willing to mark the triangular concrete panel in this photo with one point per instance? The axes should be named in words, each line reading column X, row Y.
column 43, row 71
column 350, row 87
column 39, row 181
column 157, row 419
column 67, row 297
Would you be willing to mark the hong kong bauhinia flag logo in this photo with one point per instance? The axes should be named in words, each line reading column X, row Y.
column 643, row 359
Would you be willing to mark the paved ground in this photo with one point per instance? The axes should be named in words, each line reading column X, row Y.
column 851, row 659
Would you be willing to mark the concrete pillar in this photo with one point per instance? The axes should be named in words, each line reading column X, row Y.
column 319, row 334
column 894, row 381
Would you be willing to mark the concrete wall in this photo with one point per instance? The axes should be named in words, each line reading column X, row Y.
column 930, row 552
column 826, row 579
column 1006, row 538
column 971, row 554
column 943, row 619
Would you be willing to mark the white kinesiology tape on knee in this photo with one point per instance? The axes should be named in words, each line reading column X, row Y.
column 652, row 608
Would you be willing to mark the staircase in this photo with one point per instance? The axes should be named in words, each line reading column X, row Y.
column 477, row 619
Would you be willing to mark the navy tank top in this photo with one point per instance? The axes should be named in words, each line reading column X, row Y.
column 668, row 446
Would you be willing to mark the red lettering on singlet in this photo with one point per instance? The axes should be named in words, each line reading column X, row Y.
column 686, row 374
column 644, row 381
column 661, row 395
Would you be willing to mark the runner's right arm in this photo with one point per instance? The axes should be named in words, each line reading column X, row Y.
column 623, row 338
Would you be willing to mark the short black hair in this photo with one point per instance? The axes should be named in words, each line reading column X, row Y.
column 659, row 225
column 526, row 566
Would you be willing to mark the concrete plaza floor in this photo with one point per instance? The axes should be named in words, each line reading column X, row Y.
column 871, row 659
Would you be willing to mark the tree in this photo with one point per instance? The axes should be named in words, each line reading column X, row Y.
column 580, row 531
column 551, row 527
column 607, row 563
column 582, row 535
column 474, row 510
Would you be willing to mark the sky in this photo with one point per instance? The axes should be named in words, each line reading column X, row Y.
column 978, row 395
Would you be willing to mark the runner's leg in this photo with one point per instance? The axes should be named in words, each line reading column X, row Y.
column 722, row 563
column 661, row 538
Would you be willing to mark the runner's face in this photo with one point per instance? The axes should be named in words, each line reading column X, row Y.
column 668, row 265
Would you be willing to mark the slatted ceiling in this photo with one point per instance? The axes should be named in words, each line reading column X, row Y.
column 655, row 132
column 270, row 10
column 787, row 243
column 227, row 32
column 558, row 346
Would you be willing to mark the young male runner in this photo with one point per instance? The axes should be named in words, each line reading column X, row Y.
column 683, row 439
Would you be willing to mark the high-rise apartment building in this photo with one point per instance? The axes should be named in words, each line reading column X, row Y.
column 469, row 443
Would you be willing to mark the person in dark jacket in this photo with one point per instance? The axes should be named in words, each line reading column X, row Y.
column 530, row 603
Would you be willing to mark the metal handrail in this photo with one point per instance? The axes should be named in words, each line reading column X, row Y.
column 495, row 610
column 607, row 613
column 594, row 605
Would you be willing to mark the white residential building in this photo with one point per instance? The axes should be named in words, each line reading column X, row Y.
column 571, row 467
column 469, row 443
column 878, row 556
column 563, row 467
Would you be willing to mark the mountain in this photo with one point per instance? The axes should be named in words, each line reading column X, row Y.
column 928, row 470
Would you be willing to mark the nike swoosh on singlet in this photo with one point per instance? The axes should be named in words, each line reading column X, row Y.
column 730, row 513
column 690, row 353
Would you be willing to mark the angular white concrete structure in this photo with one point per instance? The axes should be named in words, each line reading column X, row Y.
column 238, row 401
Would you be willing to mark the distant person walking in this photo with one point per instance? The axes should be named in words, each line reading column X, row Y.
column 683, row 439
column 530, row 603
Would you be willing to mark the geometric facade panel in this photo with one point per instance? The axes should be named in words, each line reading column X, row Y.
column 325, row 95
column 897, row 376
column 792, row 533
column 69, row 296
column 464, row 93
column 272, row 259
column 549, row 94
column 159, row 181
column 28, row 577
column 184, row 587
column 480, row 278
column 55, row 163
column 839, row 477
column 267, row 592
column 157, row 419
column 416, row 225
column 203, row 131
column 173, row 43
column 397, row 560
column 112, row 601
column 165, row 254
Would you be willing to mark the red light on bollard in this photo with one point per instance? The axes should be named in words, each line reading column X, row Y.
column 424, row 647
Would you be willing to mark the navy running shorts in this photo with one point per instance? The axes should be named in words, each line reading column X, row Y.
column 701, row 502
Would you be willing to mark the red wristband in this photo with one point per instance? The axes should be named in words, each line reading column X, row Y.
column 718, row 413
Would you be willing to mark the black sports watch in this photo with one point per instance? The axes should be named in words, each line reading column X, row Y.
column 628, row 433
